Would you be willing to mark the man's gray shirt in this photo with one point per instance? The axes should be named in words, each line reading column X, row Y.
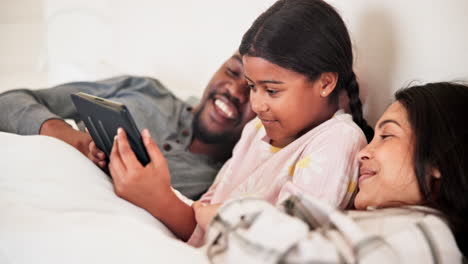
column 168, row 119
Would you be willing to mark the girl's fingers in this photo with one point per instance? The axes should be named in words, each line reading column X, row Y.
column 151, row 146
column 196, row 205
column 126, row 153
column 116, row 166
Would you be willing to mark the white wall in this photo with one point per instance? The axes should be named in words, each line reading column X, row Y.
column 182, row 42
column 398, row 42
column 21, row 35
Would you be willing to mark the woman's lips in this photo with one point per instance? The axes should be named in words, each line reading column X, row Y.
column 365, row 173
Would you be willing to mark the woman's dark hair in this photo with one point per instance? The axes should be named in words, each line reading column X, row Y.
column 438, row 115
column 308, row 37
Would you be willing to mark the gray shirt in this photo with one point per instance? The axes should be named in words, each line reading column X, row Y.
column 168, row 119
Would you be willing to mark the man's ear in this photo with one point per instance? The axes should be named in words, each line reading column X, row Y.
column 328, row 82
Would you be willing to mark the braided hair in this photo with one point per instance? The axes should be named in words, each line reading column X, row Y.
column 308, row 37
column 355, row 105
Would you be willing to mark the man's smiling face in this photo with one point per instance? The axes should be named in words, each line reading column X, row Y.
column 224, row 109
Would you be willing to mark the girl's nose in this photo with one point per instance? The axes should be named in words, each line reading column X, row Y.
column 257, row 103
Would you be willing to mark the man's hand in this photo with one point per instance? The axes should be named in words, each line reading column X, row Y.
column 97, row 156
column 59, row 129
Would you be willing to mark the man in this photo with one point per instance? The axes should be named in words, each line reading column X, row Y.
column 195, row 141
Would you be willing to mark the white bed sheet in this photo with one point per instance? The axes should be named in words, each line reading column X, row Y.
column 57, row 207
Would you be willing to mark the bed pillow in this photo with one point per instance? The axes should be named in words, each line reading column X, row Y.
column 58, row 207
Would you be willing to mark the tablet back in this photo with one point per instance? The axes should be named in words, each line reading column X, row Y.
column 102, row 117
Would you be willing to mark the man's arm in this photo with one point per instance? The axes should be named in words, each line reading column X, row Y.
column 29, row 112
column 23, row 111
column 59, row 129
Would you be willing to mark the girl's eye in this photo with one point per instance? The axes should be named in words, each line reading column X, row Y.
column 271, row 92
column 251, row 86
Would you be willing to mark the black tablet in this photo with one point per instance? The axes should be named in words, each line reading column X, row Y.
column 102, row 117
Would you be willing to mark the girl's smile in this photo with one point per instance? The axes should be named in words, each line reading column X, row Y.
column 287, row 102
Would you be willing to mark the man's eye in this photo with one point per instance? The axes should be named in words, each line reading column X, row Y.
column 232, row 73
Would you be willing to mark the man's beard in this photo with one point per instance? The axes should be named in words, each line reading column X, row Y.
column 201, row 132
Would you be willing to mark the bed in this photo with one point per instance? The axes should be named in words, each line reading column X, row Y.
column 58, row 207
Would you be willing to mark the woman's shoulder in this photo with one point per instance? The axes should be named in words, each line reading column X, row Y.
column 395, row 216
column 426, row 228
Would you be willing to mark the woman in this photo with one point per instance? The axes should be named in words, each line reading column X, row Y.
column 412, row 201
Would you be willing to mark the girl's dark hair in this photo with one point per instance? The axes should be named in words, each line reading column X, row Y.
column 308, row 37
column 438, row 114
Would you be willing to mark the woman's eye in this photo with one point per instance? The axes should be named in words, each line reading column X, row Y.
column 251, row 86
column 384, row 136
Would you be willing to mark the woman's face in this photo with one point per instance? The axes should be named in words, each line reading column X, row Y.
column 387, row 175
column 287, row 103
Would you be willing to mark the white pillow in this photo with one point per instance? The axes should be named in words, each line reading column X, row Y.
column 58, row 207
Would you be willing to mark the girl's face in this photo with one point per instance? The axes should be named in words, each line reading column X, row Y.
column 287, row 103
column 386, row 176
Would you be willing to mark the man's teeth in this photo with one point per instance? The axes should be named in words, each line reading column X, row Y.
column 224, row 107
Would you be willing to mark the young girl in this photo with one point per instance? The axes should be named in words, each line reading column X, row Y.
column 297, row 59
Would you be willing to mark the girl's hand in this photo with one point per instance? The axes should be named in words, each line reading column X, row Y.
column 204, row 213
column 146, row 187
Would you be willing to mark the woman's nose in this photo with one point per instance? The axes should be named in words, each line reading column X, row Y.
column 365, row 153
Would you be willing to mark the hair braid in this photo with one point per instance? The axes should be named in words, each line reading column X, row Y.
column 355, row 106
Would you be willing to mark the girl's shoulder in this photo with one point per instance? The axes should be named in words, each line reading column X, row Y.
column 343, row 123
column 253, row 129
column 340, row 130
column 253, row 132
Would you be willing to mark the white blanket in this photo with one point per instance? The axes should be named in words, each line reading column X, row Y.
column 58, row 207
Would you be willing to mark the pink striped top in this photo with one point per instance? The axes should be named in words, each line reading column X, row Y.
column 321, row 163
